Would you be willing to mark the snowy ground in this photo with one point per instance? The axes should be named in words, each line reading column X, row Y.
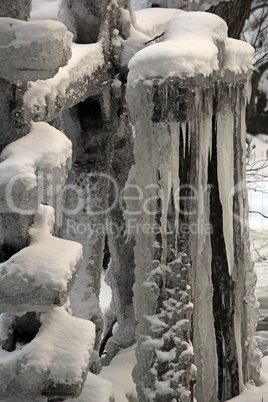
column 114, row 380
column 256, row 394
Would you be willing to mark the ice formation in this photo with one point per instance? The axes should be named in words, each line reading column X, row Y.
column 187, row 97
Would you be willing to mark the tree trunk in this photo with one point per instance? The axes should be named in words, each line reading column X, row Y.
column 234, row 14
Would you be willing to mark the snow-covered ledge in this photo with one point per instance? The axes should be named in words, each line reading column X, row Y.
column 83, row 76
column 39, row 276
column 194, row 44
column 30, row 50
column 33, row 169
column 187, row 98
column 53, row 365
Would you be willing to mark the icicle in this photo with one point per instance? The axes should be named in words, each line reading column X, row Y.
column 248, row 87
column 165, row 184
column 183, row 128
column 175, row 142
column 225, row 157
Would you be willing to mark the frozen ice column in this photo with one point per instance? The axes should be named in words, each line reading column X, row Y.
column 187, row 97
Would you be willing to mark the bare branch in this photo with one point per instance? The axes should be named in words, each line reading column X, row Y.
column 258, row 6
column 260, row 213
column 152, row 40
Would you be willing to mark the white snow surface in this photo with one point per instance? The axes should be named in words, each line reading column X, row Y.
column 256, row 394
column 189, row 48
column 44, row 9
column 85, row 60
column 133, row 44
column 105, row 294
column 96, row 389
column 47, row 261
column 153, row 21
column 44, row 148
column 20, row 33
column 61, row 348
column 119, row 373
column 114, row 380
column 238, row 56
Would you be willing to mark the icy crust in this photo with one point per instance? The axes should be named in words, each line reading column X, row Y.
column 32, row 49
column 39, row 276
column 54, row 364
column 193, row 44
column 69, row 85
column 44, row 148
column 153, row 21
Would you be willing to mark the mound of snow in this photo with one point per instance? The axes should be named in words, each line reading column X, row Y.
column 54, row 363
column 39, row 276
column 153, row 21
column 44, row 148
column 190, row 47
